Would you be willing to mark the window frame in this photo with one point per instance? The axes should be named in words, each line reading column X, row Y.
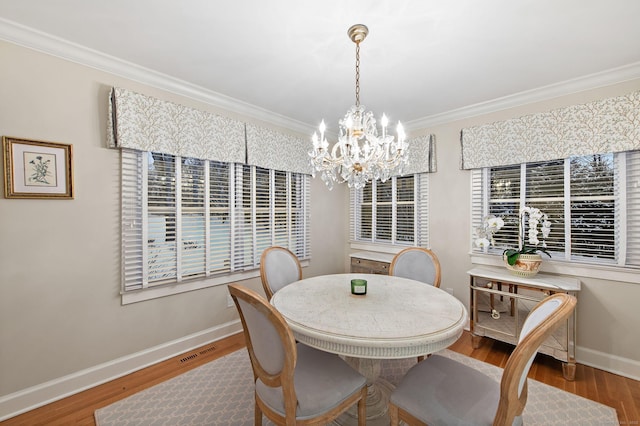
column 135, row 227
column 624, row 165
column 420, row 216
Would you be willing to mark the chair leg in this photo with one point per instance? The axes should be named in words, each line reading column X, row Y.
column 393, row 414
column 362, row 407
column 257, row 415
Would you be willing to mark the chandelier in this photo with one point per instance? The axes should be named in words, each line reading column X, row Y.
column 361, row 154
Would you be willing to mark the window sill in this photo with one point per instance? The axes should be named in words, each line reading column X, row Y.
column 604, row 272
column 171, row 289
column 374, row 256
column 377, row 247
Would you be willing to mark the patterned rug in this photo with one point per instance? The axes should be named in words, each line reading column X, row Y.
column 220, row 393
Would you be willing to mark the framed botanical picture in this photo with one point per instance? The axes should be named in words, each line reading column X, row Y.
column 35, row 169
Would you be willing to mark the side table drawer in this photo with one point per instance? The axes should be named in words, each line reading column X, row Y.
column 367, row 266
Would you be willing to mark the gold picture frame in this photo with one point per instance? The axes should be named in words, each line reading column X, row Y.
column 36, row 169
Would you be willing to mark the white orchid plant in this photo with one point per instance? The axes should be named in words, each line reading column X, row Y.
column 530, row 245
column 484, row 234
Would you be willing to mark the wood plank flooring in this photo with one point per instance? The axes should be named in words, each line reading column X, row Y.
column 616, row 391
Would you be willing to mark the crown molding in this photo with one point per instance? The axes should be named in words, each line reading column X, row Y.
column 567, row 87
column 64, row 49
column 55, row 46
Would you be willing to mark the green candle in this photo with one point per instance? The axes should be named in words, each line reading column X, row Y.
column 359, row 287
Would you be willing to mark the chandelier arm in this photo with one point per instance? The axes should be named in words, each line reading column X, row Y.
column 334, row 155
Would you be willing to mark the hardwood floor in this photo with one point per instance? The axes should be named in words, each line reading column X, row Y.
column 618, row 392
column 615, row 391
column 78, row 409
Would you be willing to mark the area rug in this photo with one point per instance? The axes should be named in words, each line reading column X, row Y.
column 221, row 393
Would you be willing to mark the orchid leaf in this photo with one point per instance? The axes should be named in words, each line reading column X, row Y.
column 512, row 256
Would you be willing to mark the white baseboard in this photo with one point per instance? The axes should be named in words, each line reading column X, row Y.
column 36, row 396
column 613, row 364
column 28, row 399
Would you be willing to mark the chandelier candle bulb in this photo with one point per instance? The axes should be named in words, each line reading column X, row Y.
column 384, row 121
column 401, row 136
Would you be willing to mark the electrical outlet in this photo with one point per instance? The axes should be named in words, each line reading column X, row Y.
column 229, row 301
column 449, row 290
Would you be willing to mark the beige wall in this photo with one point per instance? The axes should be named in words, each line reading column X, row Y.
column 60, row 309
column 607, row 311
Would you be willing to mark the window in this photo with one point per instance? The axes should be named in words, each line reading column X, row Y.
column 593, row 203
column 391, row 212
column 186, row 218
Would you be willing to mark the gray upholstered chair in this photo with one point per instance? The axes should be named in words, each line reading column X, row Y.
column 418, row 264
column 441, row 391
column 294, row 384
column 278, row 267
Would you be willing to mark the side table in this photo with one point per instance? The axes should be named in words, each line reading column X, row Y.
column 501, row 301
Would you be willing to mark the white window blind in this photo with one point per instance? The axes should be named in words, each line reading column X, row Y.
column 163, row 207
column 193, row 253
column 186, row 218
column 299, row 206
column 391, row 212
column 134, row 236
column 593, row 207
column 592, row 201
column 263, row 209
column 242, row 241
column 631, row 198
column 220, row 200
column 280, row 208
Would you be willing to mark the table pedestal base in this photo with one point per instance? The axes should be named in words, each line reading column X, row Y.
column 377, row 394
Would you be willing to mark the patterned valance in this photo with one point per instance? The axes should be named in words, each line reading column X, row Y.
column 145, row 123
column 274, row 150
column 422, row 155
column 608, row 125
column 148, row 124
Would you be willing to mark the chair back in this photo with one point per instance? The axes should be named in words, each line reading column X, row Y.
column 270, row 343
column 278, row 267
column 541, row 322
column 418, row 264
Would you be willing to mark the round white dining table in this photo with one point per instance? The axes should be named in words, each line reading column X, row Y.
column 397, row 318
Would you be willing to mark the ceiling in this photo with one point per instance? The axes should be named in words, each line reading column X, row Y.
column 290, row 61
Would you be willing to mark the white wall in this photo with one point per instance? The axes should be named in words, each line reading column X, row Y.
column 60, row 311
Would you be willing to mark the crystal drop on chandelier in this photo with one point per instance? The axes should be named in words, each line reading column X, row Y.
column 360, row 155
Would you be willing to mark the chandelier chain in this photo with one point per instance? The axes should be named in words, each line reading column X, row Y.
column 358, row 74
